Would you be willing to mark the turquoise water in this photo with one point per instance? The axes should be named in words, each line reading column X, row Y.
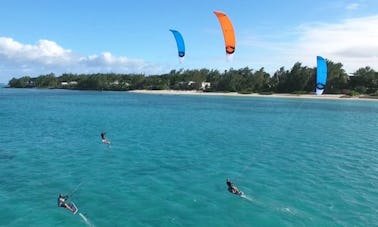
column 300, row 162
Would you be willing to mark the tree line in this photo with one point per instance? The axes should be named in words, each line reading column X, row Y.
column 299, row 79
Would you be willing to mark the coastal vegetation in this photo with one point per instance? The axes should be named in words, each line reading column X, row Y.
column 299, row 80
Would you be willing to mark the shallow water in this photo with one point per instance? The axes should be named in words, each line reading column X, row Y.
column 300, row 162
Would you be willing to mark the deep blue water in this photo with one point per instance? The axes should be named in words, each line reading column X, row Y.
column 300, row 162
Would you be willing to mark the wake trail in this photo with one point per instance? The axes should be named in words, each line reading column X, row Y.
column 86, row 220
column 247, row 198
column 279, row 209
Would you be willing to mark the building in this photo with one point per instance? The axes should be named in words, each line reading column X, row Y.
column 205, row 85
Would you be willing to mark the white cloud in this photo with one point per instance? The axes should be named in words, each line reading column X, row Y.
column 44, row 52
column 352, row 6
column 352, row 42
column 107, row 60
column 18, row 59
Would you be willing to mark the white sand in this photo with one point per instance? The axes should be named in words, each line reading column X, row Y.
column 302, row 96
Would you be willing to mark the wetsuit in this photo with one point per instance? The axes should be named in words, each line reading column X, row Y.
column 233, row 189
column 62, row 201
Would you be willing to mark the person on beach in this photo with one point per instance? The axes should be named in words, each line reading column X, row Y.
column 104, row 139
column 232, row 188
column 62, row 203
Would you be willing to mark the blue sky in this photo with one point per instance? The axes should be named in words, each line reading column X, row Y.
column 123, row 36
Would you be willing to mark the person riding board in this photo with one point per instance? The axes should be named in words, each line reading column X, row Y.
column 62, row 203
column 104, row 139
column 232, row 188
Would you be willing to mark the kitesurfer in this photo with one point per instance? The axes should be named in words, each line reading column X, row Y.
column 232, row 188
column 62, row 202
column 104, row 139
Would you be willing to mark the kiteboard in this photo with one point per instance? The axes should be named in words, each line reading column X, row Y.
column 74, row 207
column 240, row 193
column 237, row 192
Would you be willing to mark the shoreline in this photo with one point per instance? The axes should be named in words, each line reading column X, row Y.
column 235, row 94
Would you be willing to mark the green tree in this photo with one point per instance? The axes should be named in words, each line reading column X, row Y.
column 46, row 81
column 23, row 82
column 261, row 81
column 279, row 81
column 297, row 79
column 337, row 78
column 365, row 80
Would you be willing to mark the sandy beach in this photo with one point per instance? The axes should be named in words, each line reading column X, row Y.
column 295, row 96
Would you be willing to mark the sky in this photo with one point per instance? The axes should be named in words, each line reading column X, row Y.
column 122, row 36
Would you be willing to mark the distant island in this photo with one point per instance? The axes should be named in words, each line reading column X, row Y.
column 298, row 80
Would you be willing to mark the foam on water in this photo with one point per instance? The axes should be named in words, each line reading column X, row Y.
column 85, row 219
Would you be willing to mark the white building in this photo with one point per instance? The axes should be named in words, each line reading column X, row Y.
column 71, row 83
column 205, row 85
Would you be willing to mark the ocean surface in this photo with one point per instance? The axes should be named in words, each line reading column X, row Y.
column 300, row 162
